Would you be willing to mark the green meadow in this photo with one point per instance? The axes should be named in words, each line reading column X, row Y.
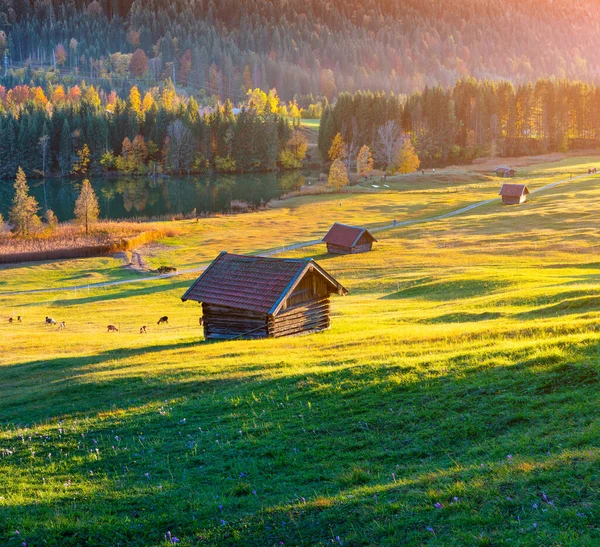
column 454, row 401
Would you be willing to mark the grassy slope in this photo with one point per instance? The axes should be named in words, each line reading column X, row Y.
column 462, row 371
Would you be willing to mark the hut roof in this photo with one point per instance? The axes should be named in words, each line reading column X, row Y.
column 514, row 190
column 254, row 283
column 346, row 236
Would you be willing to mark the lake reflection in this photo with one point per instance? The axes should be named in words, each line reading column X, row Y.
column 134, row 197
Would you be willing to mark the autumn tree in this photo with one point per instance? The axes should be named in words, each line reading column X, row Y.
column 135, row 100
column 133, row 37
column 58, row 95
column 138, row 63
column 51, row 219
column 408, row 161
column 147, row 103
column 364, row 161
column 60, row 55
column 23, row 213
column 298, row 144
column 82, row 164
column 338, row 174
column 336, row 149
column 86, row 206
column 185, row 67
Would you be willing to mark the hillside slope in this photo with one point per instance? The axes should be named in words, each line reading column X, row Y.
column 315, row 47
column 453, row 402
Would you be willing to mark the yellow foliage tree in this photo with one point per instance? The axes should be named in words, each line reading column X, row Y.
column 273, row 100
column 294, row 111
column 40, row 98
column 82, row 164
column 336, row 150
column 257, row 100
column 168, row 97
column 58, row 96
column 338, row 174
column 91, row 97
column 86, row 206
column 147, row 103
column 135, row 100
column 408, row 161
column 364, row 161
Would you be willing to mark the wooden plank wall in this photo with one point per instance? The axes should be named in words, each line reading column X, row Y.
column 311, row 316
column 223, row 323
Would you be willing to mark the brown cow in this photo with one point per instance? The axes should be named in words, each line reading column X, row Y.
column 112, row 328
column 164, row 319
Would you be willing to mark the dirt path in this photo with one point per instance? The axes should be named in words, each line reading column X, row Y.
column 286, row 248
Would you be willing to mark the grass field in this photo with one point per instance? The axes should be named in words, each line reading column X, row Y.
column 453, row 402
column 312, row 124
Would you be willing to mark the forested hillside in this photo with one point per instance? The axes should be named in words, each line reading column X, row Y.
column 311, row 47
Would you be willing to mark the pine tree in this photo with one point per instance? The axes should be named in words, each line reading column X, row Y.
column 22, row 214
column 66, row 149
column 86, row 206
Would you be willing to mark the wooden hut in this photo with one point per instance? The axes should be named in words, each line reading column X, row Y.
column 505, row 172
column 513, row 194
column 256, row 297
column 343, row 239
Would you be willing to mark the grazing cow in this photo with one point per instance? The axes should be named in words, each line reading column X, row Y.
column 62, row 325
column 10, row 319
column 19, row 320
column 164, row 320
column 112, row 328
column 143, row 330
column 50, row 321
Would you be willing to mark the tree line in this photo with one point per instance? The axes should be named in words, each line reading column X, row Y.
column 311, row 47
column 79, row 130
column 473, row 118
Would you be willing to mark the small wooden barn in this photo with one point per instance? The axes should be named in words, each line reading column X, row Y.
column 505, row 171
column 256, row 297
column 513, row 194
column 343, row 239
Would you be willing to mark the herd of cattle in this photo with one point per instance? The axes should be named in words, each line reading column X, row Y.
column 164, row 320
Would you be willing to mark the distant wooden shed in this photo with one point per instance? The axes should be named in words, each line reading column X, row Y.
column 505, row 171
column 256, row 297
column 343, row 239
column 513, row 194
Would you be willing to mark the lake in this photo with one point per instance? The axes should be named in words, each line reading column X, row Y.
column 143, row 197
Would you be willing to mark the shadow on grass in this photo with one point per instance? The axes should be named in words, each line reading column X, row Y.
column 114, row 293
column 219, row 439
column 568, row 306
column 449, row 290
column 463, row 317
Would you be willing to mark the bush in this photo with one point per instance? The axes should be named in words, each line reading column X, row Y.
column 225, row 165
